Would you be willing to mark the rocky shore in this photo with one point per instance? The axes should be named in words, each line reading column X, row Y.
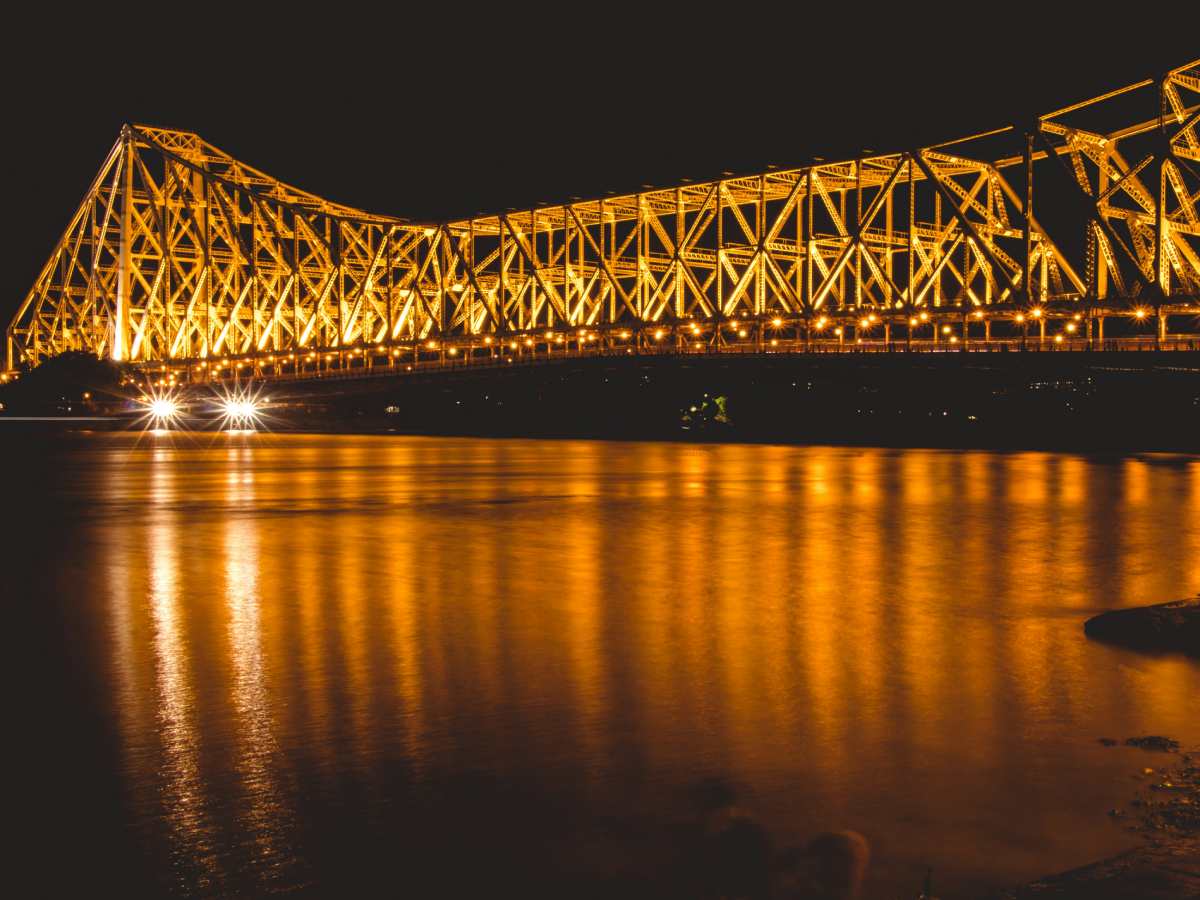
column 1166, row 812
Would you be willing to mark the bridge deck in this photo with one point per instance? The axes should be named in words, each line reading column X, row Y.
column 353, row 365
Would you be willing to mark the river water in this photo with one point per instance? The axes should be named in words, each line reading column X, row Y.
column 348, row 665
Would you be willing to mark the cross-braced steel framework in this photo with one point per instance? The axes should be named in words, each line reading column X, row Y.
column 182, row 256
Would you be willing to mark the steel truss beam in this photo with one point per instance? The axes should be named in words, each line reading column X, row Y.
column 179, row 252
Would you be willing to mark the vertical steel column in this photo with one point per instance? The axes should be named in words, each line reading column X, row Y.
column 120, row 341
column 1028, row 228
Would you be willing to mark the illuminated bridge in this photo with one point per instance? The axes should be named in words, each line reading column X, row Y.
column 1076, row 229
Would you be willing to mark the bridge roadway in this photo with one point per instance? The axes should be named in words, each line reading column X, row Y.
column 355, row 364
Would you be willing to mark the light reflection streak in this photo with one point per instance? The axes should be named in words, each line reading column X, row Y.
column 264, row 815
column 400, row 562
column 186, row 801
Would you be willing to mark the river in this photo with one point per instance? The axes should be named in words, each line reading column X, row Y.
column 349, row 665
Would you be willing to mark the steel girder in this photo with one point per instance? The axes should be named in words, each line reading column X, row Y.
column 181, row 252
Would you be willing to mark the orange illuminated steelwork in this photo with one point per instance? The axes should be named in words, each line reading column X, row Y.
column 180, row 253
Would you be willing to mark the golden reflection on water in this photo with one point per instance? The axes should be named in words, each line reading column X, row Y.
column 152, row 571
column 263, row 814
column 887, row 640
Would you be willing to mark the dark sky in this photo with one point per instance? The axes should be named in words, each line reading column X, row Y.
column 464, row 112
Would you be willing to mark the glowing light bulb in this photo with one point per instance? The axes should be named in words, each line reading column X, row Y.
column 163, row 408
column 237, row 408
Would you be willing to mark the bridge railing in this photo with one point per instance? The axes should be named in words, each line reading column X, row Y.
column 358, row 368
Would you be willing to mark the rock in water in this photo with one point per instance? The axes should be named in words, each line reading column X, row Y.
column 1164, row 626
column 1153, row 742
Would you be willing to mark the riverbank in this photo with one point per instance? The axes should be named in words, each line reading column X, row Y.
column 1071, row 402
column 1168, row 869
column 1166, row 812
column 958, row 401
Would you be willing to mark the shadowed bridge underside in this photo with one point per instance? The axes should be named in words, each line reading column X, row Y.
column 186, row 261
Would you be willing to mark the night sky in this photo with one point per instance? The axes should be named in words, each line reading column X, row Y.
column 463, row 113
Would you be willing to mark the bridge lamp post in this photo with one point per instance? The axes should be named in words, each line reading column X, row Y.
column 776, row 324
column 1141, row 314
column 820, row 324
column 864, row 325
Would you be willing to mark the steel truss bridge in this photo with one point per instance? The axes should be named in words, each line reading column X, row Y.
column 186, row 261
